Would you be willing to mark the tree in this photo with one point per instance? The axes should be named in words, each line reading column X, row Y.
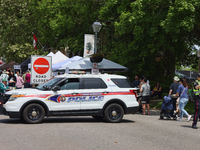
column 67, row 21
column 153, row 35
column 16, row 30
column 56, row 23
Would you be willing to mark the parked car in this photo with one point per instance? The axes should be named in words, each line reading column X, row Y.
column 100, row 96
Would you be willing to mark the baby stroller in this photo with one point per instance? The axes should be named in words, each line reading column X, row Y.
column 167, row 109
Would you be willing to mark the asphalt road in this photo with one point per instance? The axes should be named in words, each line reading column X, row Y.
column 136, row 132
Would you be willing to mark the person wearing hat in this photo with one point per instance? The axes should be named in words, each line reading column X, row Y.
column 196, row 90
column 173, row 90
column 3, row 86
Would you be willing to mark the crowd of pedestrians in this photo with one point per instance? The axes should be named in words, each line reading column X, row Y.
column 144, row 95
column 9, row 80
column 180, row 93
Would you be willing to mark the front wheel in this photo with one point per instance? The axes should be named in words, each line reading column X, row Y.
column 114, row 113
column 33, row 113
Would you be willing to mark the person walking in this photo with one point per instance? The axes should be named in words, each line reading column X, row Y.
column 12, row 80
column 145, row 89
column 172, row 91
column 182, row 92
column 20, row 82
column 196, row 90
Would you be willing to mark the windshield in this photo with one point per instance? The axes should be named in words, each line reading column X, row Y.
column 49, row 83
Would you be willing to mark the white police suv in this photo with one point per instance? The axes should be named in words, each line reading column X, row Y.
column 101, row 96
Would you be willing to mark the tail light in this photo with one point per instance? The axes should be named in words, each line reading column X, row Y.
column 0, row 103
column 135, row 92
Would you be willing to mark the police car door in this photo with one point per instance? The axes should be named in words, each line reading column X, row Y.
column 66, row 96
column 95, row 93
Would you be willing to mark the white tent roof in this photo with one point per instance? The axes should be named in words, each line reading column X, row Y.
column 65, row 62
column 51, row 54
column 85, row 64
column 58, row 57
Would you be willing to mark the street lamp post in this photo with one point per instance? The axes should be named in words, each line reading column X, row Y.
column 96, row 28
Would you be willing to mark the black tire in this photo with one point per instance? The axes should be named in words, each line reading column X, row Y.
column 161, row 117
column 21, row 118
column 113, row 113
column 98, row 117
column 33, row 113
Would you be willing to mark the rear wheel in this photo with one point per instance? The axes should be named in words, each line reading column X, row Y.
column 33, row 113
column 114, row 113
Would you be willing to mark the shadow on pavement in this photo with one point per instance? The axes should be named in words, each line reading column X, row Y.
column 11, row 121
column 151, row 113
column 186, row 126
column 62, row 120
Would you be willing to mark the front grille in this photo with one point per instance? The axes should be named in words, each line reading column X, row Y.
column 4, row 97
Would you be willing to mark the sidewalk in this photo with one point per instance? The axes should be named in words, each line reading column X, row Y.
column 154, row 112
column 152, row 101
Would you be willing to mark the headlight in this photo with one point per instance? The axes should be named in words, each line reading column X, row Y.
column 14, row 97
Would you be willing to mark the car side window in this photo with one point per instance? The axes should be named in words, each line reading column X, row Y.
column 122, row 83
column 70, row 84
column 93, row 83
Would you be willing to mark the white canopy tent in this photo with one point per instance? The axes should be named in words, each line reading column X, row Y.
column 58, row 57
column 51, row 54
column 84, row 64
column 65, row 62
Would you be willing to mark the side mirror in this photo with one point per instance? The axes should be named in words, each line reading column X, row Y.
column 56, row 88
column 45, row 87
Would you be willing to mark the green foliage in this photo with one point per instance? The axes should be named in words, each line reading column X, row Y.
column 16, row 24
column 66, row 21
column 151, row 37
column 56, row 23
column 19, row 52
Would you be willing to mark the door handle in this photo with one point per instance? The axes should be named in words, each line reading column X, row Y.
column 74, row 93
column 105, row 92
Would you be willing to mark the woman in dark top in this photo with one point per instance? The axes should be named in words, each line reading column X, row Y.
column 12, row 80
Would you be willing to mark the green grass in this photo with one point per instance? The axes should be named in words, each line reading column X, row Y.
column 189, row 107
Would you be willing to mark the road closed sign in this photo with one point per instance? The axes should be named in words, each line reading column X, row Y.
column 40, row 69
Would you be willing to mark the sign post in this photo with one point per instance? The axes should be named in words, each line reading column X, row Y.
column 41, row 69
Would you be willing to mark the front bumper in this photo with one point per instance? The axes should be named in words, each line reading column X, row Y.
column 4, row 98
column 11, row 114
